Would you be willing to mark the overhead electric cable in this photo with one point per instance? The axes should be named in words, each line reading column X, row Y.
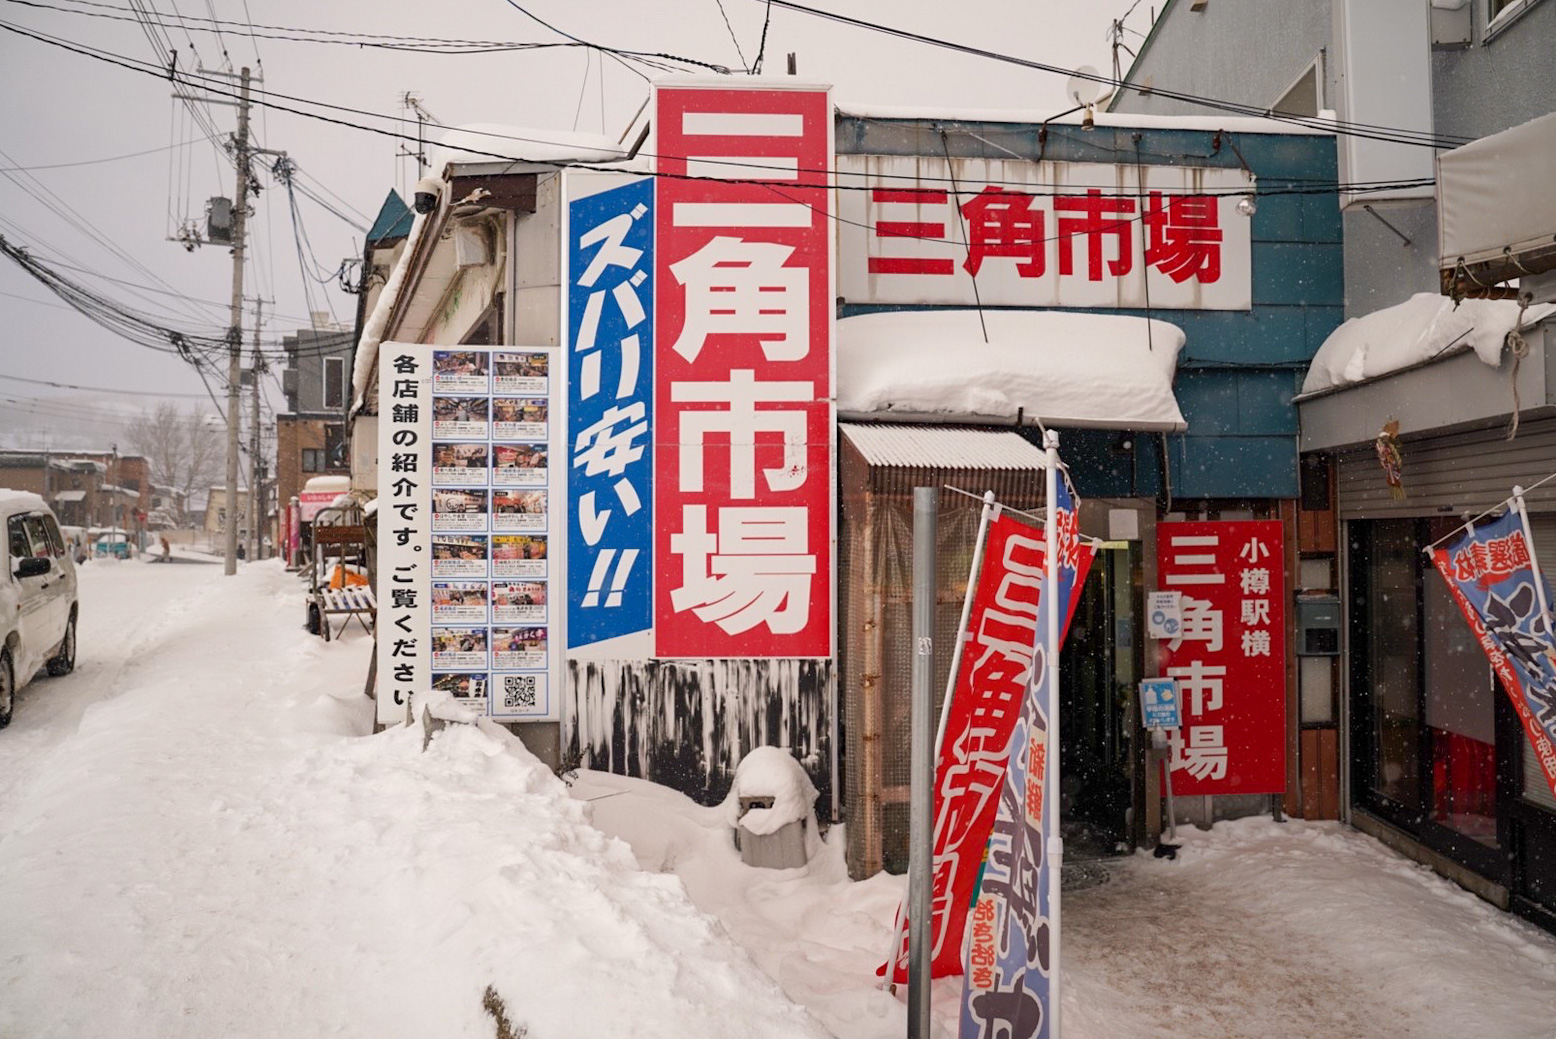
column 1376, row 132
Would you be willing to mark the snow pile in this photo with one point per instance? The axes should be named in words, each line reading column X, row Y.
column 770, row 772
column 198, row 839
column 1423, row 328
column 1064, row 368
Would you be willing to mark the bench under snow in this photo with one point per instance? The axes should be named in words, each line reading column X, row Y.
column 354, row 601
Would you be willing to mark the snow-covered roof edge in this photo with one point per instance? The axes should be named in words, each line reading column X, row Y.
column 1104, row 120
column 373, row 327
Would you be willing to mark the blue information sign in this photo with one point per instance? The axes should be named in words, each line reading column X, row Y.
column 1159, row 704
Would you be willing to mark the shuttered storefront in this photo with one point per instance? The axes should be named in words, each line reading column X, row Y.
column 1456, row 474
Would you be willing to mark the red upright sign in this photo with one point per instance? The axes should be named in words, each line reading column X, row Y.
column 1229, row 656
column 743, row 488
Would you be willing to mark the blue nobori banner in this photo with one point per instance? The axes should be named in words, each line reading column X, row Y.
column 1492, row 574
column 610, row 402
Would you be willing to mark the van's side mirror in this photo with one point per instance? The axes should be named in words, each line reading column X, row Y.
column 33, row 566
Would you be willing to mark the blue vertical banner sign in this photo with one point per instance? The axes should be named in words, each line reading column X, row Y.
column 610, row 422
column 1010, row 939
column 1491, row 572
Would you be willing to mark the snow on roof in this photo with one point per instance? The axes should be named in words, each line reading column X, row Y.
column 69, row 496
column 941, row 448
column 486, row 142
column 1067, row 369
column 15, row 501
column 1426, row 327
column 1104, row 120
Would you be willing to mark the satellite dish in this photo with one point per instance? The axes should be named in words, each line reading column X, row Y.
column 1084, row 89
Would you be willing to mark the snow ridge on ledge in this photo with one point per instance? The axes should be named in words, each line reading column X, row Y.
column 1426, row 327
column 1065, row 368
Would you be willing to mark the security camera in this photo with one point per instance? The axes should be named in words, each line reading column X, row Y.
column 425, row 200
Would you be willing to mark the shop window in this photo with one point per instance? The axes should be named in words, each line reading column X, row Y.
column 313, row 460
column 334, row 382
column 1502, row 13
column 1388, row 611
column 1460, row 718
column 334, row 446
column 1306, row 96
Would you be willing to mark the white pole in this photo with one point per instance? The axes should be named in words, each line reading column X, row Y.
column 926, row 507
column 1051, row 783
column 1534, row 561
column 990, row 509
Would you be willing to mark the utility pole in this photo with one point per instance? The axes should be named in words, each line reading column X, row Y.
column 256, row 458
column 240, row 205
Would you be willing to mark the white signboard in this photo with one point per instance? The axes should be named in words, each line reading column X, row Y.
column 468, row 573
column 1042, row 234
column 1164, row 614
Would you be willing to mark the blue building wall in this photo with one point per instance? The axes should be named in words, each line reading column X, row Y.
column 1239, row 369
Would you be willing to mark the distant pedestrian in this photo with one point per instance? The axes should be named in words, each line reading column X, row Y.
column 167, row 549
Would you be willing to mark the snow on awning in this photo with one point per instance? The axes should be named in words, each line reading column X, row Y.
column 938, row 448
column 70, row 496
column 1104, row 371
column 1426, row 327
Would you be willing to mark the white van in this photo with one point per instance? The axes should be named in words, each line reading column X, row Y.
column 38, row 604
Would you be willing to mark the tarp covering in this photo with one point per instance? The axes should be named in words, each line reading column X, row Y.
column 1495, row 194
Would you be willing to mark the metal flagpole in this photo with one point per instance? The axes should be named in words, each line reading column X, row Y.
column 1055, row 849
column 926, row 507
column 1534, row 563
column 990, row 509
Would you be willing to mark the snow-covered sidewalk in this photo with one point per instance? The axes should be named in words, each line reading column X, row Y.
column 207, row 845
column 198, row 838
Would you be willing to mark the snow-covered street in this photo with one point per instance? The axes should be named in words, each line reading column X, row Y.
column 199, row 837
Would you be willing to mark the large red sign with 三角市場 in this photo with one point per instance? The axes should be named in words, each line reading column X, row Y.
column 743, row 341
column 1228, row 655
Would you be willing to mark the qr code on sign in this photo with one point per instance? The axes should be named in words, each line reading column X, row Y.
column 518, row 692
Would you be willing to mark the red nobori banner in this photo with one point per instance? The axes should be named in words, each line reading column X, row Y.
column 743, row 340
column 1229, row 656
column 995, row 670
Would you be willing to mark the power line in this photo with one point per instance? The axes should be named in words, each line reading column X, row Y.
column 92, row 162
column 94, row 389
column 1317, row 187
column 415, row 44
column 1369, row 130
column 732, row 37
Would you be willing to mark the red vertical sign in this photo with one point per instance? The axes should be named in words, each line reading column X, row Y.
column 1229, row 656
column 743, row 481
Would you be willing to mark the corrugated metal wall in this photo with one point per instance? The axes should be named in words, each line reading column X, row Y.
column 1453, row 474
column 875, row 590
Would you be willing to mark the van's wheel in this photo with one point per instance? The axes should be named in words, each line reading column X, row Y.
column 7, row 688
column 64, row 662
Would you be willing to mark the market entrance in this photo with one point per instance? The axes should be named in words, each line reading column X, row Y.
column 1100, row 666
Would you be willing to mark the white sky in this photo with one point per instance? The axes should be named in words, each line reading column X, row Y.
column 62, row 108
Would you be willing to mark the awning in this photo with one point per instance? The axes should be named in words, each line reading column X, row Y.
column 940, row 448
column 69, row 496
column 1102, row 371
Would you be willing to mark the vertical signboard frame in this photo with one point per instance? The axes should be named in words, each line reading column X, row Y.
column 744, row 495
